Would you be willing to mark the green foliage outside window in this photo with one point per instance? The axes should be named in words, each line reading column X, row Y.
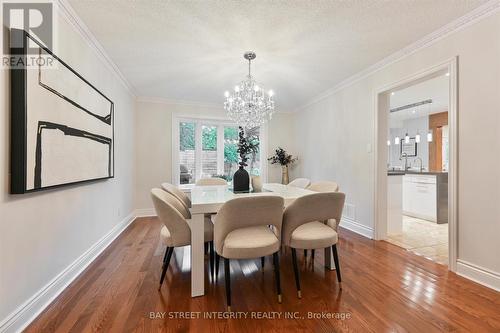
column 209, row 137
column 186, row 136
column 230, row 149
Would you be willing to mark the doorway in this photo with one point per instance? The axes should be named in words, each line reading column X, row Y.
column 415, row 164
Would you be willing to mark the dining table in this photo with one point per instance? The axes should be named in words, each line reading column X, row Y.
column 208, row 200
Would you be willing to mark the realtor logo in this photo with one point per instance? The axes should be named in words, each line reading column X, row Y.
column 36, row 18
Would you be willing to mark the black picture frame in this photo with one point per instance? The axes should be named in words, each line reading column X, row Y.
column 409, row 148
column 19, row 112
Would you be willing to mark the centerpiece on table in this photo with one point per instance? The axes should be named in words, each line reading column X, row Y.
column 247, row 145
column 284, row 159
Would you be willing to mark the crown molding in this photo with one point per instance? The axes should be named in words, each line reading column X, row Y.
column 161, row 100
column 166, row 101
column 474, row 16
column 69, row 14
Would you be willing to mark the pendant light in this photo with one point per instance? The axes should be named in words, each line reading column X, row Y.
column 429, row 133
column 407, row 138
column 417, row 138
column 429, row 136
column 397, row 140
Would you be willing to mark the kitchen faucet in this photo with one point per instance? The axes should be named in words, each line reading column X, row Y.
column 421, row 166
column 405, row 156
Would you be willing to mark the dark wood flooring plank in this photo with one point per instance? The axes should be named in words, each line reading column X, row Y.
column 385, row 288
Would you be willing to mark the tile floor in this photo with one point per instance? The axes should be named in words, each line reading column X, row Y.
column 424, row 238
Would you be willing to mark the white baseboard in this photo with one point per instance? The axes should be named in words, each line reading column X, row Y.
column 144, row 212
column 356, row 227
column 478, row 274
column 20, row 318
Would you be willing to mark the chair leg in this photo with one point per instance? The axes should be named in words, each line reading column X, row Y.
column 312, row 256
column 165, row 256
column 217, row 260
column 305, row 254
column 206, row 248
column 169, row 252
column 337, row 266
column 276, row 261
column 212, row 259
column 262, row 262
column 228, row 283
column 296, row 271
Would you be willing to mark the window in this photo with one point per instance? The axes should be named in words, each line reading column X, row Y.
column 209, row 151
column 209, row 148
column 187, row 138
column 231, row 157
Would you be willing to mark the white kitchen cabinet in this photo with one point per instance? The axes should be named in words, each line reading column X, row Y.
column 420, row 196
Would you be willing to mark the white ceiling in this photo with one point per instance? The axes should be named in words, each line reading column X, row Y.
column 435, row 89
column 192, row 50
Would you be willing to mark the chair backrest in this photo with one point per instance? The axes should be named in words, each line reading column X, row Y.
column 174, row 190
column 324, row 186
column 170, row 212
column 247, row 212
column 309, row 208
column 300, row 182
column 211, row 181
column 257, row 183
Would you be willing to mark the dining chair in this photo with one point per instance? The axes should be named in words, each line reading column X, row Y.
column 257, row 184
column 242, row 232
column 303, row 229
column 211, row 181
column 322, row 186
column 174, row 190
column 175, row 231
column 300, row 182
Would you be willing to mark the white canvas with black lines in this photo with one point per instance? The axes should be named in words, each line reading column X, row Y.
column 69, row 128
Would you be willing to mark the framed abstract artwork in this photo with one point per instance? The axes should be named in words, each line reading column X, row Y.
column 62, row 126
column 410, row 148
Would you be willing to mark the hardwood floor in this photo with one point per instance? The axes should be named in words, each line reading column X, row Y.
column 385, row 288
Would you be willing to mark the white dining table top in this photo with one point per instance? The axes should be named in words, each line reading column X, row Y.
column 208, row 199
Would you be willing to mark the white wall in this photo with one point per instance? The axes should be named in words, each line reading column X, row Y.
column 41, row 234
column 333, row 136
column 154, row 143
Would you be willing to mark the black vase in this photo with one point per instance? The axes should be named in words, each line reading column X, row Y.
column 241, row 180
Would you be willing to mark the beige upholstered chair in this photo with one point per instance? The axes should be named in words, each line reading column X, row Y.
column 184, row 199
column 302, row 228
column 242, row 232
column 324, row 186
column 257, row 184
column 174, row 190
column 211, row 181
column 300, row 182
column 176, row 231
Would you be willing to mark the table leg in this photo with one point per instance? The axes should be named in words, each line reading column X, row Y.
column 329, row 263
column 196, row 223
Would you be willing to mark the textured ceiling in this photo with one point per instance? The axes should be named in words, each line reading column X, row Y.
column 192, row 50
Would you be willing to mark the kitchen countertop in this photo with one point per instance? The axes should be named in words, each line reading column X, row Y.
column 413, row 172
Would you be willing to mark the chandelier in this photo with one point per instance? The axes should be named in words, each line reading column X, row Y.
column 249, row 105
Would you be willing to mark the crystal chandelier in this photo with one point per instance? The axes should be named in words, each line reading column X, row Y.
column 249, row 105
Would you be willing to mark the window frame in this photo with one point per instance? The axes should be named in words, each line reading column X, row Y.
column 219, row 123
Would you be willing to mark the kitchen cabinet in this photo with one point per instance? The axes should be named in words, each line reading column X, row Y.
column 420, row 196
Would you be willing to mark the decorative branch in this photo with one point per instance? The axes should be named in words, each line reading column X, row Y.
column 247, row 145
column 282, row 158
